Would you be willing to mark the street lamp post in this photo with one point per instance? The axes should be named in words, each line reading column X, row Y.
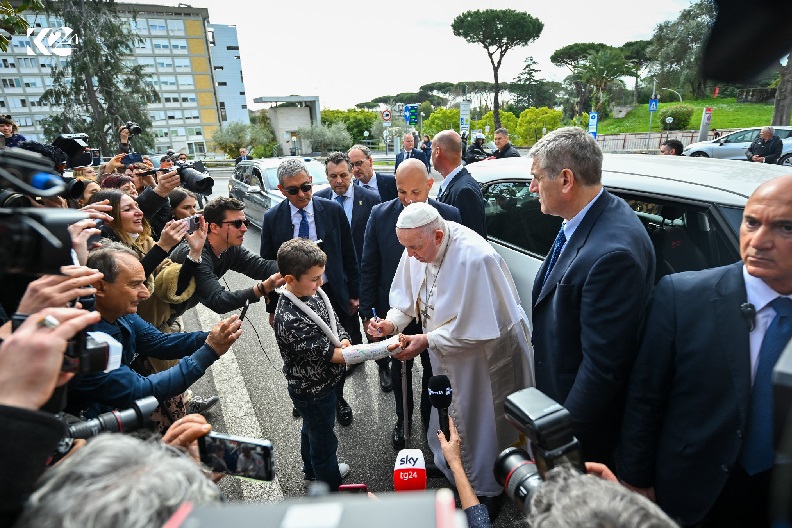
column 421, row 124
column 670, row 90
column 668, row 120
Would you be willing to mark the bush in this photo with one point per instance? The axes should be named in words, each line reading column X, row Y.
column 681, row 114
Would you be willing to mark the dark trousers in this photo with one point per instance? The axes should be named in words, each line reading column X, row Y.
column 351, row 324
column 318, row 442
column 743, row 501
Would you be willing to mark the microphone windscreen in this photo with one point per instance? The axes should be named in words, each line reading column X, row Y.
column 409, row 472
column 440, row 391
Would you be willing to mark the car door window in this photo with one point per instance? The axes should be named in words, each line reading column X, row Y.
column 271, row 178
column 514, row 218
column 744, row 137
column 686, row 237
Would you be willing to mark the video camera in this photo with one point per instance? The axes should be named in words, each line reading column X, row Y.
column 134, row 128
column 548, row 426
column 193, row 174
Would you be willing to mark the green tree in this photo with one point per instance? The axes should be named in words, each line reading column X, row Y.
column 498, row 31
column 426, row 108
column 270, row 146
column 326, row 138
column 96, row 88
column 357, row 121
column 508, row 121
column 11, row 20
column 532, row 122
column 782, row 107
column 442, row 119
column 572, row 57
column 231, row 137
column 677, row 48
column 601, row 69
column 528, row 90
column 637, row 54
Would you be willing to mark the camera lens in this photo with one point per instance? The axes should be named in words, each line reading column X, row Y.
column 195, row 181
column 12, row 199
column 518, row 475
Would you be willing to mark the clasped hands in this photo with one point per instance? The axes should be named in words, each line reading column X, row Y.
column 411, row 345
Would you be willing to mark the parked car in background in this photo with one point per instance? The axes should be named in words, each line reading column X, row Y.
column 255, row 182
column 691, row 209
column 733, row 146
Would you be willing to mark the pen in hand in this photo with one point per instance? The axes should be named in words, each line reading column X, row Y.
column 374, row 312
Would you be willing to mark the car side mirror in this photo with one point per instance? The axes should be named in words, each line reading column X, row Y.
column 253, row 189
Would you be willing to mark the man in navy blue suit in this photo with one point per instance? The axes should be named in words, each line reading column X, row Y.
column 302, row 216
column 357, row 203
column 698, row 431
column 591, row 292
column 458, row 187
column 410, row 152
column 381, row 254
column 363, row 171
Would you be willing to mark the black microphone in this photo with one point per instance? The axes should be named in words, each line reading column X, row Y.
column 749, row 313
column 440, row 395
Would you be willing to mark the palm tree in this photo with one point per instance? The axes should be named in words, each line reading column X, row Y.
column 602, row 68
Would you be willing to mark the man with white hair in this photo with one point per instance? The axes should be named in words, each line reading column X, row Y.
column 476, row 332
column 766, row 148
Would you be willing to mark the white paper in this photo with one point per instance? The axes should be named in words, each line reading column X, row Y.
column 114, row 356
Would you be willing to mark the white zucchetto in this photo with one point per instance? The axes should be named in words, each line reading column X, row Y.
column 416, row 215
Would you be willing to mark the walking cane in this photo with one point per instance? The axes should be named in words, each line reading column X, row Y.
column 405, row 411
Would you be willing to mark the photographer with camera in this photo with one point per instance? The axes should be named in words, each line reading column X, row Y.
column 118, row 296
column 30, row 369
column 124, row 133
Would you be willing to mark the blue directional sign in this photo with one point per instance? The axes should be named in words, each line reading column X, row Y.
column 411, row 114
column 592, row 124
column 653, row 105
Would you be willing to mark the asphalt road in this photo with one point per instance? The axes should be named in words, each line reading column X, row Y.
column 254, row 403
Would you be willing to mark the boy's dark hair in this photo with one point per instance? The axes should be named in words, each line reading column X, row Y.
column 215, row 211
column 298, row 255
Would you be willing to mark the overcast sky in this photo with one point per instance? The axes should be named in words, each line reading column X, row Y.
column 348, row 52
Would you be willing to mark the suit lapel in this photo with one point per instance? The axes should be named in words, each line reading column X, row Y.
column 572, row 247
column 319, row 217
column 356, row 207
column 733, row 339
column 451, row 184
column 285, row 229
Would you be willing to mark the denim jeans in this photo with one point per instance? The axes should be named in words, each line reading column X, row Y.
column 318, row 442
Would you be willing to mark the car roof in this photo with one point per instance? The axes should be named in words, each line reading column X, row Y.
column 726, row 182
column 274, row 162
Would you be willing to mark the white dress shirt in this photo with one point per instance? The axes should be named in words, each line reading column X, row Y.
column 348, row 203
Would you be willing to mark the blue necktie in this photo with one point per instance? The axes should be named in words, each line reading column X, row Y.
column 303, row 231
column 757, row 453
column 340, row 199
column 558, row 245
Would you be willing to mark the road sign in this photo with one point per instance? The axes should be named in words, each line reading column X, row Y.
column 592, row 124
column 653, row 105
column 669, row 120
column 386, row 123
column 464, row 116
column 411, row 114
column 386, row 115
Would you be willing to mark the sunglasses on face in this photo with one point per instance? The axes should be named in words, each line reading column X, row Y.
column 238, row 223
column 305, row 187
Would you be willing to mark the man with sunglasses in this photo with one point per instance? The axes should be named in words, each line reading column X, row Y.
column 223, row 251
column 363, row 171
column 305, row 216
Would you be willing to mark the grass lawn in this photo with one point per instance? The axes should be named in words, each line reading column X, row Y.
column 726, row 113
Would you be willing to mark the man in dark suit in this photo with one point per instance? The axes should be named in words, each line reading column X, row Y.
column 357, row 203
column 243, row 155
column 409, row 152
column 458, row 187
column 590, row 293
column 697, row 433
column 381, row 254
column 363, row 171
column 302, row 216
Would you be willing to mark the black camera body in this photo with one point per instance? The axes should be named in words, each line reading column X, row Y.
column 548, row 426
column 192, row 179
column 134, row 128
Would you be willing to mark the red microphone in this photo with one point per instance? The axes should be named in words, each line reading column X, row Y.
column 409, row 473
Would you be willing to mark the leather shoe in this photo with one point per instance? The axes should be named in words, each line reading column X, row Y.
column 398, row 435
column 385, row 379
column 343, row 412
column 201, row 405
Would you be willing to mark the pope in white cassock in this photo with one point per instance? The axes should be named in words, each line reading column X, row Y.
column 476, row 331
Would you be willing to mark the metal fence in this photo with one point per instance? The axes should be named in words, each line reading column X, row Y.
column 633, row 142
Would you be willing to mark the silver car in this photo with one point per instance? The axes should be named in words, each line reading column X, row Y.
column 691, row 209
column 255, row 182
column 733, row 146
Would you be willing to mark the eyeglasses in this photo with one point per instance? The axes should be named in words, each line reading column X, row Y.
column 358, row 164
column 305, row 187
column 238, row 223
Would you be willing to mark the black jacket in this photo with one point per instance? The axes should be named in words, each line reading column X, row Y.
column 507, row 152
column 475, row 153
column 770, row 150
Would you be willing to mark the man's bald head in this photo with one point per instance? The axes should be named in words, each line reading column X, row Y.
column 446, row 151
column 766, row 234
column 413, row 182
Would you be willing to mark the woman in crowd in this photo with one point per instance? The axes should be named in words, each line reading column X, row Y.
column 426, row 148
column 122, row 182
column 8, row 130
column 91, row 188
column 183, row 203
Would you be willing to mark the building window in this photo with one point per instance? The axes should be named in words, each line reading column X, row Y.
column 24, row 121
column 143, row 44
column 5, row 63
column 191, row 114
column 223, row 115
column 21, row 42
column 194, row 131
column 165, row 64
column 160, row 133
column 17, row 102
column 232, row 48
column 160, row 44
column 186, row 81
column 11, row 83
column 157, row 115
column 182, row 64
column 179, row 44
column 218, row 68
column 244, row 107
column 156, row 26
column 241, row 93
column 167, row 80
column 27, row 62
column 147, row 63
column 222, row 83
column 188, row 98
column 140, row 26
column 177, row 131
column 32, row 82
column 176, row 27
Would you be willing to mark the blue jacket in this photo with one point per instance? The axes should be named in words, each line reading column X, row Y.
column 119, row 388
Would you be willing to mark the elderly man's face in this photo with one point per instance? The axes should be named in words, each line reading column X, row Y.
column 242, row 152
column 549, row 191
column 420, row 245
column 362, row 167
column 765, row 134
column 408, row 142
column 766, row 235
column 122, row 297
column 296, row 183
